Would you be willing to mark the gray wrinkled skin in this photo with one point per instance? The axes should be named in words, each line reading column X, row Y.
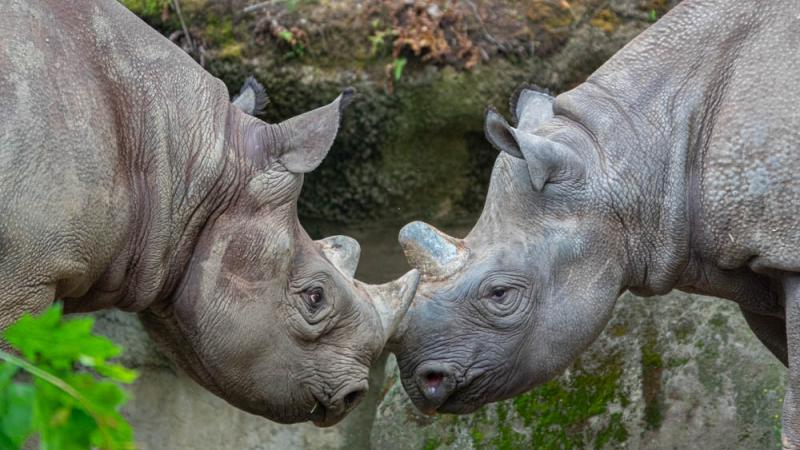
column 129, row 180
column 674, row 166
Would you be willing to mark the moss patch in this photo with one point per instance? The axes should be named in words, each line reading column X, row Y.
column 652, row 369
column 606, row 20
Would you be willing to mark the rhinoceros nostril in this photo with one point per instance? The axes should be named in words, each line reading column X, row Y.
column 352, row 398
column 433, row 380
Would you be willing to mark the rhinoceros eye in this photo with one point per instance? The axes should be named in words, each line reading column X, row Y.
column 314, row 298
column 498, row 294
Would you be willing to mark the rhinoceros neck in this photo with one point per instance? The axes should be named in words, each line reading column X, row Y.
column 650, row 110
column 193, row 174
column 175, row 152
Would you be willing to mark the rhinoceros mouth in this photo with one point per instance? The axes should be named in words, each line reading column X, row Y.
column 322, row 416
column 465, row 398
column 318, row 413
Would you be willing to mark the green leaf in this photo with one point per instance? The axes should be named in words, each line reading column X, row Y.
column 653, row 16
column 117, row 373
column 399, row 64
column 16, row 413
column 7, row 372
column 286, row 35
column 68, row 409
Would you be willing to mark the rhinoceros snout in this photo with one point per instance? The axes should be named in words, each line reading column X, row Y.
column 329, row 413
column 435, row 383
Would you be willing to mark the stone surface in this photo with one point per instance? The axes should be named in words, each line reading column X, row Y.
column 169, row 411
column 670, row 372
column 678, row 371
column 410, row 147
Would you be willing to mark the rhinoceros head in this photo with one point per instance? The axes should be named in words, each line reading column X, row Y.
column 531, row 285
column 265, row 317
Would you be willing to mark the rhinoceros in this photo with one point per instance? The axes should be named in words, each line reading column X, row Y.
column 129, row 180
column 673, row 166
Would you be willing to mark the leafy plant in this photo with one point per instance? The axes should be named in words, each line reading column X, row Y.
column 377, row 41
column 398, row 65
column 67, row 393
column 298, row 49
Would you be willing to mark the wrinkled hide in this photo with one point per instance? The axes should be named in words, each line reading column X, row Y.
column 672, row 167
column 128, row 179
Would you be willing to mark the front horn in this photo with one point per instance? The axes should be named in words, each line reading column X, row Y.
column 434, row 253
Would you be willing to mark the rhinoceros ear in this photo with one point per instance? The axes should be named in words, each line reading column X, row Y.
column 303, row 141
column 545, row 158
column 531, row 107
column 500, row 134
column 252, row 98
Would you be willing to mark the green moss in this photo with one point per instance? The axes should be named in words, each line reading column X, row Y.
column 219, row 31
column 606, row 20
column 556, row 414
column 614, row 433
column 618, row 329
column 431, row 443
column 719, row 320
column 652, row 365
column 146, row 8
column 677, row 362
column 477, row 436
column 683, row 330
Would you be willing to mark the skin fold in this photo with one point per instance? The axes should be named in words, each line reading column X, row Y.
column 129, row 180
column 672, row 167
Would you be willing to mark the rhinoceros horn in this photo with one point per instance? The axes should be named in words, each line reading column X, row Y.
column 392, row 300
column 434, row 253
column 342, row 251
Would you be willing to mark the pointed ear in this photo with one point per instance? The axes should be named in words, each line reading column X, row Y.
column 531, row 107
column 252, row 98
column 500, row 134
column 303, row 141
column 547, row 159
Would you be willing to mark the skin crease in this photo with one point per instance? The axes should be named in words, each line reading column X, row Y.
column 672, row 167
column 129, row 180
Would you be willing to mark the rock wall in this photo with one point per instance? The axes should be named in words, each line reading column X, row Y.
column 411, row 144
column 678, row 371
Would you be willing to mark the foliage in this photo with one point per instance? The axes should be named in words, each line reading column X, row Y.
column 294, row 38
column 70, row 397
column 398, row 64
column 582, row 409
column 146, row 7
column 433, row 33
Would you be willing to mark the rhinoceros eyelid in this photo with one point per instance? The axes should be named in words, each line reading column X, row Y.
column 302, row 283
column 506, row 281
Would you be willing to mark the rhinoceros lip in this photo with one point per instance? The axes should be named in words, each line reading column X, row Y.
column 456, row 402
column 321, row 416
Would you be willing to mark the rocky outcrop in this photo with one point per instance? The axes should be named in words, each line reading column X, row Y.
column 678, row 371
column 411, row 144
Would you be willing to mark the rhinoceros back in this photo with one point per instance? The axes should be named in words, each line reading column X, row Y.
column 94, row 107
